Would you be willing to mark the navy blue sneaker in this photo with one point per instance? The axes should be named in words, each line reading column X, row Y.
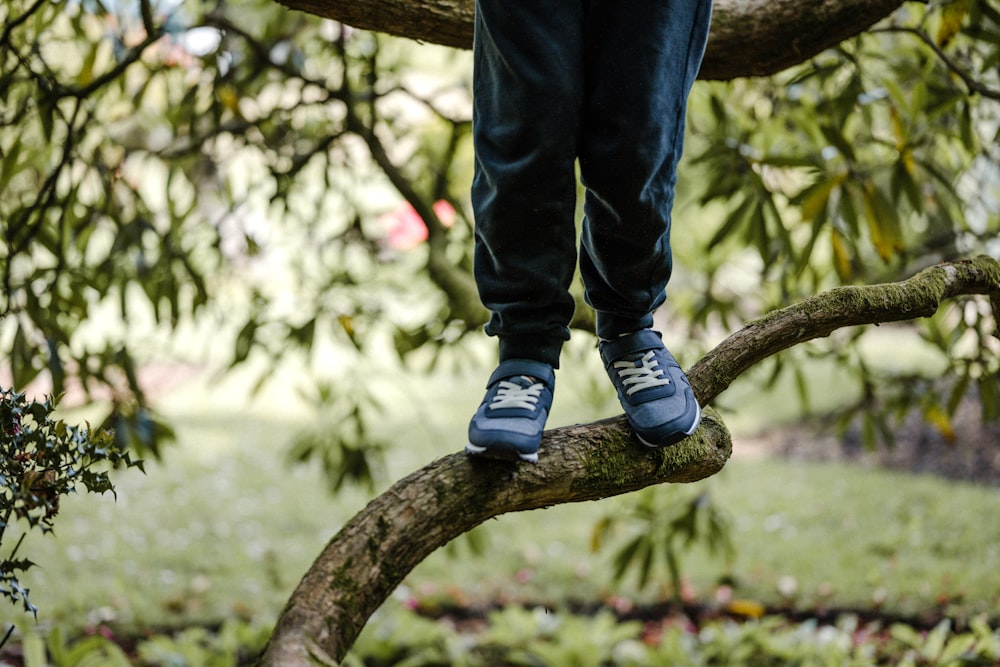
column 652, row 388
column 508, row 424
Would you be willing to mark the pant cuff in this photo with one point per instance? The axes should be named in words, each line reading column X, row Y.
column 538, row 348
column 610, row 326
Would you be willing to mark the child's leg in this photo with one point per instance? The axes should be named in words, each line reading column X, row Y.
column 528, row 95
column 642, row 59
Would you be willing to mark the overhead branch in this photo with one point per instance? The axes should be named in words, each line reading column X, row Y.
column 749, row 37
column 376, row 550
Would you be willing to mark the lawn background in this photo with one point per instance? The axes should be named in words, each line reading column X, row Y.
column 223, row 527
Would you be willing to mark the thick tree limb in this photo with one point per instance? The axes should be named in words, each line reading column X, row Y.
column 749, row 37
column 375, row 551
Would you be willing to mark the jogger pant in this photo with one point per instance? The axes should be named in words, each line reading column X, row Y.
column 604, row 82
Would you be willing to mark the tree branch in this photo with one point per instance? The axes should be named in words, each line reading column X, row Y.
column 376, row 550
column 749, row 37
column 819, row 316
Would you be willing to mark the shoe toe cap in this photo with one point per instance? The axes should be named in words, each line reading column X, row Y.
column 664, row 422
column 521, row 433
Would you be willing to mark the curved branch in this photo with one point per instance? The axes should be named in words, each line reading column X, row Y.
column 375, row 551
column 819, row 316
column 749, row 37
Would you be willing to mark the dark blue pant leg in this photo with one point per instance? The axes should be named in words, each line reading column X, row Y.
column 642, row 57
column 528, row 97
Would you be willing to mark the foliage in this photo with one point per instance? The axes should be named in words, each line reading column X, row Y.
column 341, row 440
column 665, row 524
column 176, row 162
column 55, row 651
column 163, row 164
column 234, row 643
column 521, row 636
column 518, row 636
column 172, row 165
column 877, row 158
column 42, row 460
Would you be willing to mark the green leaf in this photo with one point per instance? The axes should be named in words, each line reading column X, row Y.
column 836, row 137
column 244, row 342
column 22, row 360
column 883, row 223
column 9, row 165
column 33, row 648
column 903, row 183
column 733, row 221
column 934, row 644
column 813, row 200
column 625, row 555
column 46, row 116
column 952, row 16
column 989, row 394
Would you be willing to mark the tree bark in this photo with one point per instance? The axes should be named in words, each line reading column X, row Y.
column 749, row 37
column 375, row 551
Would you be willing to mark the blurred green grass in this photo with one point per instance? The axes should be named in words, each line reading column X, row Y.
column 224, row 528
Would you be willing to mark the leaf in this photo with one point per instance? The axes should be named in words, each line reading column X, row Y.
column 347, row 324
column 883, row 223
column 952, row 16
column 9, row 165
column 905, row 635
column 646, row 565
column 46, row 113
column 903, row 183
column 244, row 342
column 33, row 648
column 813, row 200
column 625, row 555
column 847, row 210
column 86, row 74
column 934, row 645
column 958, row 393
column 599, row 531
column 745, row 607
column 989, row 394
column 938, row 418
column 734, row 220
column 837, row 140
column 22, row 360
column 841, row 255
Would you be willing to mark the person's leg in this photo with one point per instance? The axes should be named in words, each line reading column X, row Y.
column 528, row 96
column 642, row 59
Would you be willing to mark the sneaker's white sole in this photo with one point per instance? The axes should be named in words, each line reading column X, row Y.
column 486, row 452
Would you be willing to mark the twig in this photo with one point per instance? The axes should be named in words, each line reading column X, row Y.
column 971, row 83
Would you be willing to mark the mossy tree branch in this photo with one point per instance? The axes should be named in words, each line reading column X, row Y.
column 819, row 316
column 375, row 551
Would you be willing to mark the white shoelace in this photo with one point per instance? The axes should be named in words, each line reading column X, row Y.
column 513, row 395
column 636, row 378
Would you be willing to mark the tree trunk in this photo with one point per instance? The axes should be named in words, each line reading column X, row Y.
column 375, row 551
column 749, row 37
